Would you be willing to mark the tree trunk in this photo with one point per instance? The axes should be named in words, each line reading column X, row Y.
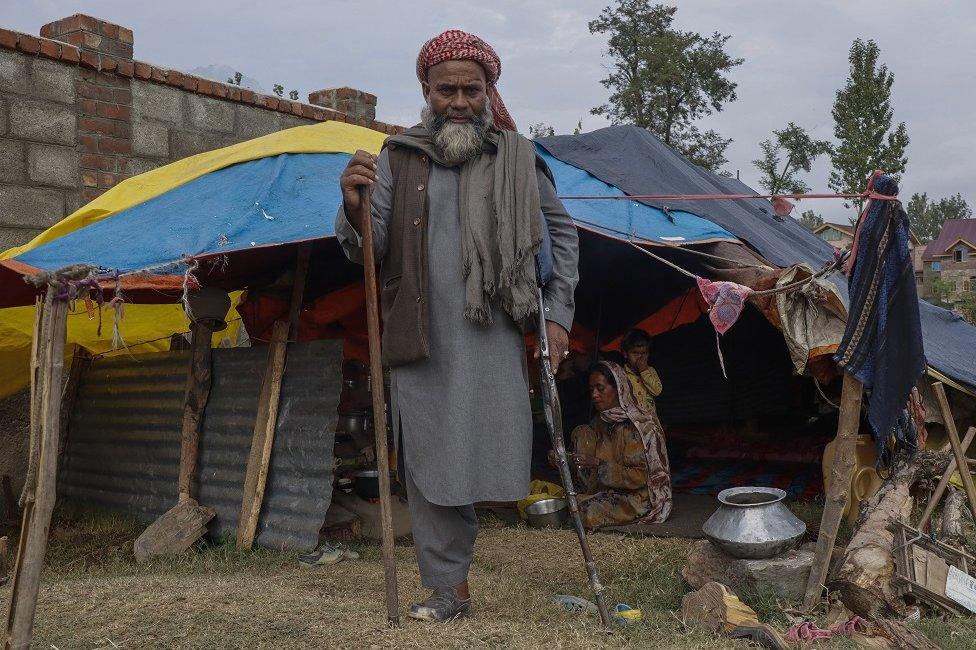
column 864, row 578
column 952, row 531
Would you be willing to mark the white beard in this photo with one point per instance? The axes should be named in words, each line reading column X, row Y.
column 457, row 143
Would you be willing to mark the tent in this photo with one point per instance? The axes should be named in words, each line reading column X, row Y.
column 234, row 218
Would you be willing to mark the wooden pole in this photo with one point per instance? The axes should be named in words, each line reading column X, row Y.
column 49, row 352
column 839, row 489
column 943, row 483
column 199, row 377
column 262, row 442
column 256, row 476
column 961, row 464
column 379, row 411
column 80, row 360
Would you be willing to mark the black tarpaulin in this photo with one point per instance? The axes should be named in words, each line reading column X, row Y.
column 637, row 163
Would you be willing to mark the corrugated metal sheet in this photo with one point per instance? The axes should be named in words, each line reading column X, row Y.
column 123, row 446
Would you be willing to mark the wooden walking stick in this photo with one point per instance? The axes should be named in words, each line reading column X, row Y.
column 379, row 410
column 554, row 423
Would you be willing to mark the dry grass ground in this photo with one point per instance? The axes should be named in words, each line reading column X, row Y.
column 94, row 595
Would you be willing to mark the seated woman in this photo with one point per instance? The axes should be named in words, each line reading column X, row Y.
column 621, row 459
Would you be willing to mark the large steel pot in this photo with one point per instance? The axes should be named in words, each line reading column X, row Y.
column 753, row 523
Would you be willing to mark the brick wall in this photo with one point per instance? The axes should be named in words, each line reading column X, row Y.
column 78, row 114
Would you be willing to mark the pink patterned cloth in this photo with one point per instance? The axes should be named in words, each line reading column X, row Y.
column 726, row 300
column 456, row 45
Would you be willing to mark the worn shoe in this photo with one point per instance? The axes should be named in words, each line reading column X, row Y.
column 328, row 554
column 442, row 605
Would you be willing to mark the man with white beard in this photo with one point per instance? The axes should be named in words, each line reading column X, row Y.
column 461, row 204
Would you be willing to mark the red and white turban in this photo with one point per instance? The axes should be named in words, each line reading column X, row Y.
column 455, row 45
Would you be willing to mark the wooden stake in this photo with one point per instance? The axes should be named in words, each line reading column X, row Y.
column 961, row 464
column 838, row 491
column 37, row 358
column 256, row 477
column 4, row 559
column 49, row 352
column 80, row 360
column 199, row 377
column 9, row 501
column 944, row 482
column 379, row 411
column 261, row 444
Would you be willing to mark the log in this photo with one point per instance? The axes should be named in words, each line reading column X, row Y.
column 951, row 530
column 838, row 491
column 901, row 636
column 716, row 609
column 41, row 495
column 174, row 532
column 865, row 577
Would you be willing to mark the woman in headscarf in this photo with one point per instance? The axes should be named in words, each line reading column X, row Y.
column 621, row 458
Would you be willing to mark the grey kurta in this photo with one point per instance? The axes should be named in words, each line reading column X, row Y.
column 464, row 412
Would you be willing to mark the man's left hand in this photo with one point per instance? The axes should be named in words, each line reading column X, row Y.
column 558, row 344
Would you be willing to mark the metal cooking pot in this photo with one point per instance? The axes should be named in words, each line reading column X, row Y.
column 367, row 484
column 753, row 523
column 353, row 424
column 547, row 513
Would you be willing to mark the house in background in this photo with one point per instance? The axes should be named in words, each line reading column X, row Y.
column 838, row 235
column 951, row 257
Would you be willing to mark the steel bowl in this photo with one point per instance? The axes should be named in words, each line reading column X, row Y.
column 547, row 513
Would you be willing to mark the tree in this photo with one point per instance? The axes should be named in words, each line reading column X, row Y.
column 927, row 217
column 863, row 125
column 942, row 291
column 236, row 79
column 967, row 307
column 810, row 220
column 541, row 130
column 664, row 80
column 784, row 155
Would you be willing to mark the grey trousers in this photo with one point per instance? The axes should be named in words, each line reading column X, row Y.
column 443, row 537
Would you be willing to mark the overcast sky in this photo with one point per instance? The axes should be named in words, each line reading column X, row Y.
column 795, row 59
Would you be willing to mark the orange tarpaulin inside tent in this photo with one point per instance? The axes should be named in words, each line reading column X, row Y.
column 340, row 314
column 682, row 310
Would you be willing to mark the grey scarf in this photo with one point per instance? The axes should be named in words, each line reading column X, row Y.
column 501, row 230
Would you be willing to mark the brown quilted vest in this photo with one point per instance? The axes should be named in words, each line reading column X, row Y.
column 404, row 273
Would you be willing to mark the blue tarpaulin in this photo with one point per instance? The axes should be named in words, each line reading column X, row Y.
column 274, row 200
column 628, row 219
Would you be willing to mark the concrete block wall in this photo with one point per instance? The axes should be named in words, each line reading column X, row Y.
column 78, row 115
column 38, row 146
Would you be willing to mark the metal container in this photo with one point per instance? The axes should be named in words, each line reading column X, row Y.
column 367, row 484
column 353, row 425
column 547, row 513
column 753, row 523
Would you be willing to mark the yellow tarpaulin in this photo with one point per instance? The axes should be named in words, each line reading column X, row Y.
column 148, row 322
